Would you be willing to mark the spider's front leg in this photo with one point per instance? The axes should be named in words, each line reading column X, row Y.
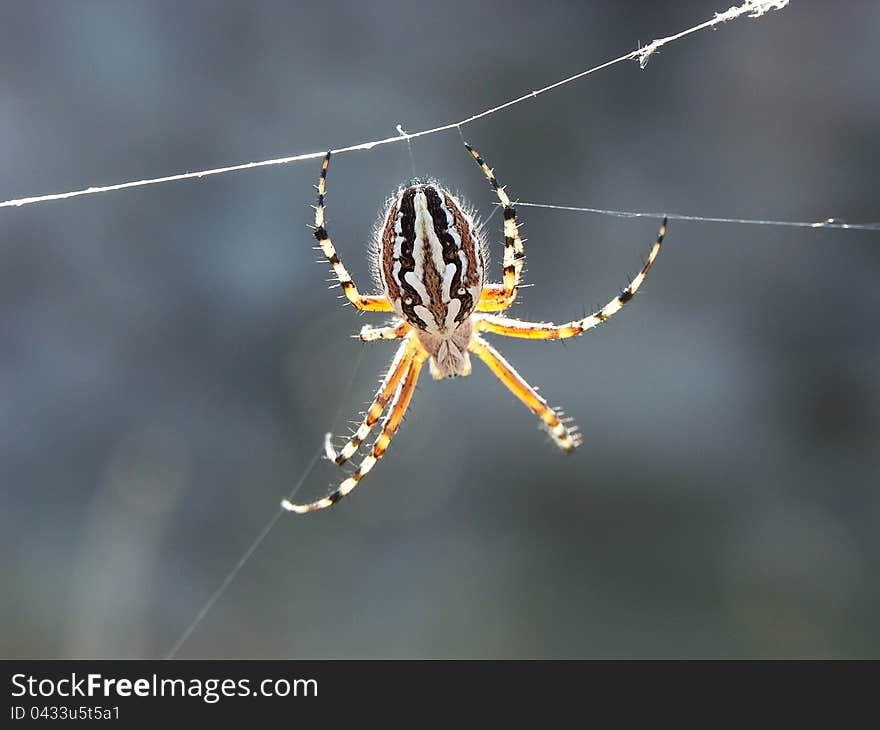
column 396, row 371
column 549, row 331
column 564, row 436
column 392, row 379
column 394, row 331
column 397, row 409
column 368, row 302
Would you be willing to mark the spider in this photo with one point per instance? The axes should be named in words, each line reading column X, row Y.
column 429, row 258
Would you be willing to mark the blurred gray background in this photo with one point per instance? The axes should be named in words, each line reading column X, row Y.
column 171, row 356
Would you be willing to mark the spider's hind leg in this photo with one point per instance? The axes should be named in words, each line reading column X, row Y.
column 496, row 297
column 367, row 302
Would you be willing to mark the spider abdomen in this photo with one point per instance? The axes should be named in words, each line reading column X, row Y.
column 430, row 260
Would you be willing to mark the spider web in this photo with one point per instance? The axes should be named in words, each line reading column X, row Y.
column 827, row 223
column 749, row 8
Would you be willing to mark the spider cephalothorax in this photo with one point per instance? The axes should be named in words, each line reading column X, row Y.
column 430, row 263
column 429, row 260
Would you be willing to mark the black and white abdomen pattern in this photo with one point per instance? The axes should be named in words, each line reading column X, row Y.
column 430, row 263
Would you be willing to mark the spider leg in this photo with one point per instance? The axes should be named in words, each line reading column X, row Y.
column 564, row 437
column 391, row 332
column 390, row 425
column 549, row 331
column 370, row 302
column 398, row 368
column 495, row 298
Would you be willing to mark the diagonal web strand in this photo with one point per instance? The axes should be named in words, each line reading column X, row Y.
column 827, row 223
column 750, row 8
column 231, row 576
column 268, row 527
column 236, row 569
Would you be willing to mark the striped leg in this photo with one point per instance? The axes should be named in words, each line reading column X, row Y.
column 550, row 331
column 514, row 253
column 389, row 427
column 494, row 298
column 398, row 368
column 565, row 438
column 372, row 302
column 391, row 332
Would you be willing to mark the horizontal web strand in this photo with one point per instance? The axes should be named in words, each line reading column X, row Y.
column 750, row 8
column 827, row 223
